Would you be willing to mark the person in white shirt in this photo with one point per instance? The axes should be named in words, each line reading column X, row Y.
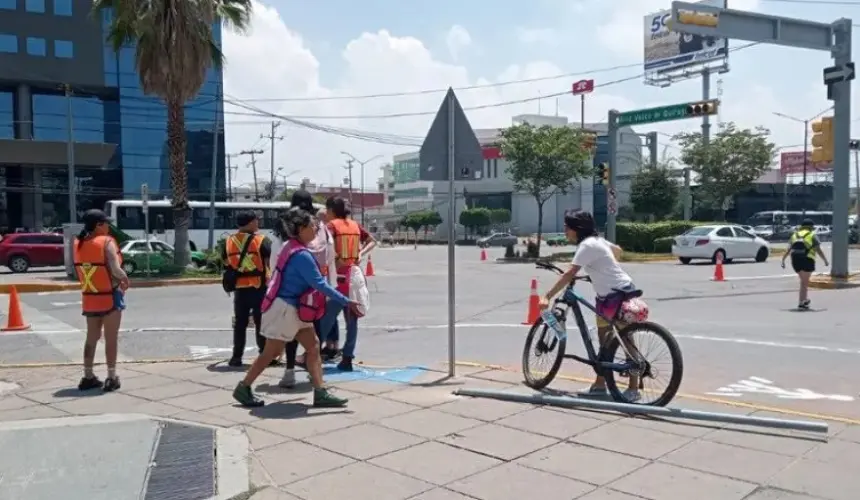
column 598, row 258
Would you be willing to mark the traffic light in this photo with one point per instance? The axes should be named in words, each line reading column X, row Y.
column 603, row 173
column 702, row 108
column 854, row 144
column 822, row 140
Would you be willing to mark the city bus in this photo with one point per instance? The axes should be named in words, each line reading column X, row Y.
column 127, row 215
column 779, row 218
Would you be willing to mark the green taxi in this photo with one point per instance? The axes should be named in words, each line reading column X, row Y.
column 134, row 256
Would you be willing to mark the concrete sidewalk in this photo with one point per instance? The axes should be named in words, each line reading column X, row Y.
column 399, row 441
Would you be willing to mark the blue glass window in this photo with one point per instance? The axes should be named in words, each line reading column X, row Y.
column 62, row 7
column 37, row 6
column 8, row 4
column 64, row 49
column 36, row 46
column 8, row 43
column 7, row 120
column 50, row 120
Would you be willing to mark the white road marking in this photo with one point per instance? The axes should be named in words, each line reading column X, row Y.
column 199, row 352
column 770, row 277
column 758, row 385
column 66, row 304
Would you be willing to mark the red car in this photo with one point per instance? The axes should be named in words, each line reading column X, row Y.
column 21, row 251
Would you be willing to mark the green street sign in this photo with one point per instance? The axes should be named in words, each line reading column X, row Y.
column 668, row 113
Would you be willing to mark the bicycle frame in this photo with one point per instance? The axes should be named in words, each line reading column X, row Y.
column 593, row 359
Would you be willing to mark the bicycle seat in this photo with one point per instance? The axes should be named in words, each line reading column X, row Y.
column 628, row 293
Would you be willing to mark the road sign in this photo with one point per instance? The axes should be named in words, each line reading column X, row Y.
column 611, row 193
column 582, row 87
column 836, row 74
column 668, row 113
column 144, row 196
column 468, row 156
column 612, row 208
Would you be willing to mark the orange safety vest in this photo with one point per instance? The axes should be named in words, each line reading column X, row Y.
column 93, row 274
column 347, row 241
column 252, row 269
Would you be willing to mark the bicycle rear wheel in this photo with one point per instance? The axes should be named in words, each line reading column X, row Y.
column 643, row 339
column 547, row 348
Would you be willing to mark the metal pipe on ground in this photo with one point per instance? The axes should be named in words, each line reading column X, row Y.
column 569, row 402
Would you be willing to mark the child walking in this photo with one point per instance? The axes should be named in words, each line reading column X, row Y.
column 295, row 298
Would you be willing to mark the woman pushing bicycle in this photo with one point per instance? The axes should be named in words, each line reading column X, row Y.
column 599, row 259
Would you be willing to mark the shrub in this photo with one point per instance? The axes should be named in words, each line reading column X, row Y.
column 663, row 245
column 509, row 251
column 640, row 237
column 532, row 249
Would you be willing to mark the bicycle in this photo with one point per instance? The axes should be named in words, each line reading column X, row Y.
column 602, row 361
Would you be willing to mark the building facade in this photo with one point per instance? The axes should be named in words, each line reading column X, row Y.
column 493, row 187
column 62, row 81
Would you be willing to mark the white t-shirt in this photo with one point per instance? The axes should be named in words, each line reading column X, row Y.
column 594, row 255
column 322, row 247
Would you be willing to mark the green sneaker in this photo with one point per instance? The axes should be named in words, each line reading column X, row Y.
column 245, row 396
column 324, row 399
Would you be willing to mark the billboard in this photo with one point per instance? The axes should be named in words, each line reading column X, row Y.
column 666, row 50
column 792, row 163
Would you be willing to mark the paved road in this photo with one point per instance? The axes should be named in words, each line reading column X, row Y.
column 741, row 339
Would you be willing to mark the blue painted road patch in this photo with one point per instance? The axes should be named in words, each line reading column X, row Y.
column 403, row 375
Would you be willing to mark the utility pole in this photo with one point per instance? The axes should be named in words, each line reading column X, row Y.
column 70, row 157
column 272, row 137
column 216, row 132
column 230, row 168
column 348, row 167
column 253, row 163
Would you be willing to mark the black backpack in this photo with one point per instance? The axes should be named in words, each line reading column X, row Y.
column 800, row 247
column 231, row 276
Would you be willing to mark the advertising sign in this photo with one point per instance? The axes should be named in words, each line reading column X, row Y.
column 666, row 50
column 582, row 87
column 792, row 163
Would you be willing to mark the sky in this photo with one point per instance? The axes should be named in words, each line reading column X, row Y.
column 316, row 63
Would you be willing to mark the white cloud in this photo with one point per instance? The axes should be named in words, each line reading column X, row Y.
column 274, row 61
column 545, row 36
column 458, row 38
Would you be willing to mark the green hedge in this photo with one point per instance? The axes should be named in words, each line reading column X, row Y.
column 663, row 245
column 641, row 237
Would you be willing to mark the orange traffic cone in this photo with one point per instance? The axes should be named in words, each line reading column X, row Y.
column 483, row 255
column 534, row 305
column 369, row 271
column 718, row 270
column 15, row 320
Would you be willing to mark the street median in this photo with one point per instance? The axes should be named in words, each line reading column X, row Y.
column 828, row 282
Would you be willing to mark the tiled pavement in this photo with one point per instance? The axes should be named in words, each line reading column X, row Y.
column 417, row 441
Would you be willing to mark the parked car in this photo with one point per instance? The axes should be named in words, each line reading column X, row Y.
column 498, row 240
column 555, row 239
column 22, row 251
column 711, row 242
column 134, row 254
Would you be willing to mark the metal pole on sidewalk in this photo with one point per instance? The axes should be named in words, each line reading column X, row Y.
column 70, row 158
column 452, row 234
column 634, row 409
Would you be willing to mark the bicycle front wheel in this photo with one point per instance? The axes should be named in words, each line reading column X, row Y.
column 658, row 369
column 548, row 351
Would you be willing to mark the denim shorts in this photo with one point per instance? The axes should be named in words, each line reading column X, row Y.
column 118, row 305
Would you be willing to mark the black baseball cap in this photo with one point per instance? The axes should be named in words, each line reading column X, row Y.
column 303, row 199
column 94, row 217
column 807, row 223
column 245, row 217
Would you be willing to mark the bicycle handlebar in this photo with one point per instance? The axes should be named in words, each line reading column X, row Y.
column 558, row 270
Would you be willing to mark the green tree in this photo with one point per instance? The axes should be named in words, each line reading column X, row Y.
column 174, row 49
column 653, row 191
column 413, row 221
column 730, row 162
column 430, row 219
column 475, row 220
column 545, row 160
column 500, row 216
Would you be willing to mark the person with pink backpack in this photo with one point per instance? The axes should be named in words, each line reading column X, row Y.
column 295, row 298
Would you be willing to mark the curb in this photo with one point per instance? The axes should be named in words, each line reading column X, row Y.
column 38, row 287
column 830, row 283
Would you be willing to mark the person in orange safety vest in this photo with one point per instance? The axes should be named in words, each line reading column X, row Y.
column 251, row 281
column 98, row 265
column 351, row 243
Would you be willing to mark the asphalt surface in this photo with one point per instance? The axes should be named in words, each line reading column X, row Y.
column 742, row 340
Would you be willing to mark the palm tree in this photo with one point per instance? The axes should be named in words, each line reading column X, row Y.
column 174, row 49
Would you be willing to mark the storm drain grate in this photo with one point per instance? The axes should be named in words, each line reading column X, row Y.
column 184, row 464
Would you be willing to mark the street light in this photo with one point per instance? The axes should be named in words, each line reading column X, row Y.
column 361, row 164
column 284, row 178
column 805, row 145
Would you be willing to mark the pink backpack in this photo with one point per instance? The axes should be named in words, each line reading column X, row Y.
column 311, row 303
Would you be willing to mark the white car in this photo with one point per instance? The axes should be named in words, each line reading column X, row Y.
column 729, row 242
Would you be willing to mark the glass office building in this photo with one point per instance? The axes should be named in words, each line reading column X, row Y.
column 119, row 134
